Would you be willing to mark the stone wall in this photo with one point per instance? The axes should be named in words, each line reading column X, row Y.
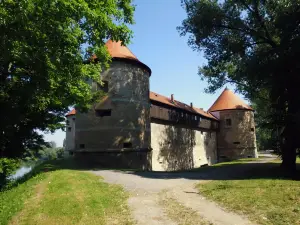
column 128, row 126
column 238, row 140
column 180, row 148
column 121, row 160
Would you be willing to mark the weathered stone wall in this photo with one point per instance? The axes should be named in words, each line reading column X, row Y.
column 238, row 140
column 129, row 122
column 181, row 148
column 70, row 134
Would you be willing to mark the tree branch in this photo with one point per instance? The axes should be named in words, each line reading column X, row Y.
column 263, row 25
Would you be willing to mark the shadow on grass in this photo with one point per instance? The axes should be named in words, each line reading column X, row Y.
column 237, row 170
column 240, row 170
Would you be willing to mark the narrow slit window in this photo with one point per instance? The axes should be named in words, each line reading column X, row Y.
column 69, row 129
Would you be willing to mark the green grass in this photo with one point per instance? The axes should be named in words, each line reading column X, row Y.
column 264, row 195
column 12, row 201
column 64, row 197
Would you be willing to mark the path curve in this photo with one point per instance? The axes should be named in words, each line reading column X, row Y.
column 146, row 186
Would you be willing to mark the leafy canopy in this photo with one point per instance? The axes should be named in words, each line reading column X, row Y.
column 44, row 45
column 253, row 44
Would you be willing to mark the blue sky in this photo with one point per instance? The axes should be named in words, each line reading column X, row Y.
column 174, row 64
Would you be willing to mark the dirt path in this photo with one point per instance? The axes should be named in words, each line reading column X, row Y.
column 146, row 187
column 22, row 217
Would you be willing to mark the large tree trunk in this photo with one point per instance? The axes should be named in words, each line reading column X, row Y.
column 289, row 156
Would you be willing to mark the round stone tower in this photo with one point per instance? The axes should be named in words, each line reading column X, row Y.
column 236, row 137
column 116, row 131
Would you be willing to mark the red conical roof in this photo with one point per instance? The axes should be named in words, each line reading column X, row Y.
column 116, row 50
column 228, row 100
column 72, row 112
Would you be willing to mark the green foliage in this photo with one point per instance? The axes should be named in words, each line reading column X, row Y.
column 254, row 45
column 7, row 168
column 51, row 153
column 44, row 48
column 44, row 153
column 265, row 131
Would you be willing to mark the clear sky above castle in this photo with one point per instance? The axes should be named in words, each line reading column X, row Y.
column 174, row 65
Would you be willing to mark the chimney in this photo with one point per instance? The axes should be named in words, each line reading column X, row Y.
column 191, row 105
column 172, row 97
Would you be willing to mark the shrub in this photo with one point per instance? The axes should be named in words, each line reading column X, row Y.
column 7, row 168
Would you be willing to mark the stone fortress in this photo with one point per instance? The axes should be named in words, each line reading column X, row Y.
column 132, row 127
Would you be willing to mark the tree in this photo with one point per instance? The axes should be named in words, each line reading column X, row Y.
column 264, row 127
column 253, row 44
column 52, row 144
column 44, row 49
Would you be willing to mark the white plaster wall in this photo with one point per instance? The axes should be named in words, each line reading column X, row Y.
column 176, row 148
column 205, row 150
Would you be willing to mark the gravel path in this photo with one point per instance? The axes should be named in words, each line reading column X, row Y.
column 146, row 186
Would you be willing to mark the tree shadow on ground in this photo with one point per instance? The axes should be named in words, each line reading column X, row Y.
column 236, row 171
column 225, row 171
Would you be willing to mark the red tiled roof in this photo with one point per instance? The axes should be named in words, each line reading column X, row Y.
column 228, row 100
column 72, row 112
column 165, row 100
column 116, row 50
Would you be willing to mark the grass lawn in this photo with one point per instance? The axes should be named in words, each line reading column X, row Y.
column 64, row 197
column 265, row 200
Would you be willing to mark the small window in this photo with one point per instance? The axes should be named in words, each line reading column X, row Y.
column 73, row 119
column 127, row 145
column 82, row 146
column 67, row 122
column 195, row 117
column 201, row 132
column 252, row 129
column 69, row 128
column 228, row 122
column 102, row 113
column 236, row 142
column 182, row 114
